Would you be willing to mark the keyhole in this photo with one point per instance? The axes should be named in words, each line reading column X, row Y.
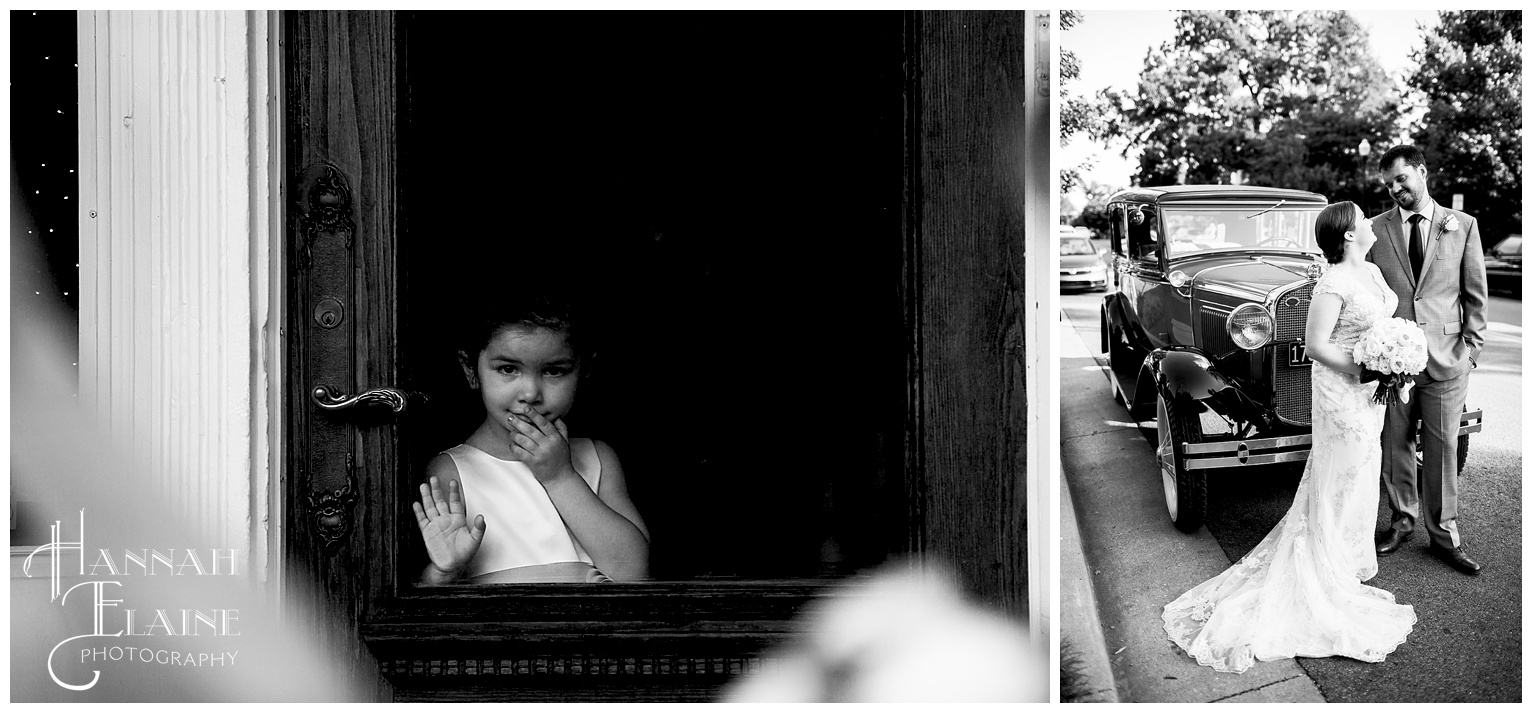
column 329, row 313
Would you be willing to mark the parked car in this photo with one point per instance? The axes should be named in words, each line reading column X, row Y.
column 1502, row 265
column 1080, row 263
column 1204, row 331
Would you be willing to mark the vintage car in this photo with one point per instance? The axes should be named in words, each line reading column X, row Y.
column 1204, row 331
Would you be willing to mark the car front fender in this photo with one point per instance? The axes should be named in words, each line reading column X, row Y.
column 1181, row 370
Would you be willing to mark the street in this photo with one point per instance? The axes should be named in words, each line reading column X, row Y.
column 1466, row 645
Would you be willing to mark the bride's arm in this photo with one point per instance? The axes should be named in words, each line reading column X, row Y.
column 1323, row 313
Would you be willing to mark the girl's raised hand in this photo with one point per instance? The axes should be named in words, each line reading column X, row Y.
column 443, row 522
column 542, row 445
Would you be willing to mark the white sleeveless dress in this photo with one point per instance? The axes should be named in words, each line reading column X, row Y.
column 525, row 540
column 1300, row 591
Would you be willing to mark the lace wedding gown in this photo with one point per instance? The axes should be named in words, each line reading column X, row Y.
column 1300, row 591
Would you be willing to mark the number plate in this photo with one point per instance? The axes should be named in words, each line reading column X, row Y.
column 1298, row 354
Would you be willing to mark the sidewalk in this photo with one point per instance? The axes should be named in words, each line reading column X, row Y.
column 1127, row 561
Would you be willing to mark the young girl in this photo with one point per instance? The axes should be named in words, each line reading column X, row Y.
column 543, row 506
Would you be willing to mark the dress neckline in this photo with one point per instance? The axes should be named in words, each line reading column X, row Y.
column 503, row 460
column 1378, row 283
column 487, row 453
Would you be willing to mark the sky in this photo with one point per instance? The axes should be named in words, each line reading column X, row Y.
column 1111, row 45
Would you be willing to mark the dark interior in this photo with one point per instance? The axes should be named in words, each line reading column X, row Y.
column 724, row 193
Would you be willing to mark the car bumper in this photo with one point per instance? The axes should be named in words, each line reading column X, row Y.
column 1081, row 281
column 1282, row 449
column 1255, row 451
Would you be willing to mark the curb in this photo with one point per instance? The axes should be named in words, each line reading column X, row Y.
column 1085, row 669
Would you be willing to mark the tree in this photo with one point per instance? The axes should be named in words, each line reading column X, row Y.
column 1094, row 215
column 1468, row 75
column 1076, row 114
column 1284, row 98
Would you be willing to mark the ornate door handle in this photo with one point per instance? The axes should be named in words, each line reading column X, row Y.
column 388, row 396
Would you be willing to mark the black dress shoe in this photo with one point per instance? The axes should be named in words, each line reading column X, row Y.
column 1389, row 540
column 1457, row 558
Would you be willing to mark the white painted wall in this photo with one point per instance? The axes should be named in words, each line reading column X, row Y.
column 179, row 228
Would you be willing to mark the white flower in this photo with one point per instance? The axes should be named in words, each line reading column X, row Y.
column 1392, row 346
column 1451, row 224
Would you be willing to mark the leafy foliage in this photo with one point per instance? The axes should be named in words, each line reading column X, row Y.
column 1094, row 215
column 1284, row 98
column 1076, row 114
column 1468, row 76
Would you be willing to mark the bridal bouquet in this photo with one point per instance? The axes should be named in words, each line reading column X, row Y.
column 1391, row 353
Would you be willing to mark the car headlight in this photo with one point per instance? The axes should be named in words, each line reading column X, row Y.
column 1250, row 326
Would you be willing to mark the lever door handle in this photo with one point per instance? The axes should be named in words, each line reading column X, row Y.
column 394, row 399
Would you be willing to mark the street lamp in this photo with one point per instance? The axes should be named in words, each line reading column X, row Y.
column 1362, row 150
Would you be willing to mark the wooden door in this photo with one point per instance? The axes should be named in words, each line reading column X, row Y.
column 342, row 221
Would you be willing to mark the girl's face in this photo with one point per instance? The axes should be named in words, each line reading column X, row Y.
column 1362, row 230
column 525, row 368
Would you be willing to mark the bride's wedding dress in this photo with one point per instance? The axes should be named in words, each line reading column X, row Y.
column 1300, row 591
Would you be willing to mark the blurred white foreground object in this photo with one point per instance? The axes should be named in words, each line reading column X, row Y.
column 907, row 635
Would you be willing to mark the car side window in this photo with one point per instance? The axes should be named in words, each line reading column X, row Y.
column 1143, row 233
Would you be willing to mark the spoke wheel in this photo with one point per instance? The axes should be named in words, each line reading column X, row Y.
column 1185, row 490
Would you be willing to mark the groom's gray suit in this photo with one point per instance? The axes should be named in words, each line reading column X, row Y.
column 1448, row 303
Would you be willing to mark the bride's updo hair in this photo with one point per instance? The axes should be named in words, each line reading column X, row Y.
column 1330, row 229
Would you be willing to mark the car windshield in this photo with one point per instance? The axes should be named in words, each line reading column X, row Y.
column 1191, row 229
column 1509, row 246
column 1076, row 246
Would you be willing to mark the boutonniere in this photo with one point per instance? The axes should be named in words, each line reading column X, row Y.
column 1451, row 223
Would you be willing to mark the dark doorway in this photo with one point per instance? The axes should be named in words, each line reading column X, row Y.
column 724, row 192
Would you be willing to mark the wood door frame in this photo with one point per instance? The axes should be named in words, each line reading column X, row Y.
column 343, row 87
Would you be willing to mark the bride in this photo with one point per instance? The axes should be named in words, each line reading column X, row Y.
column 1300, row 591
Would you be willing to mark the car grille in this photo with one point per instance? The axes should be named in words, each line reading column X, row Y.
column 1290, row 320
column 1291, row 383
column 1214, row 324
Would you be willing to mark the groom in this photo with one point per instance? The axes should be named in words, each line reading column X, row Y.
column 1430, row 256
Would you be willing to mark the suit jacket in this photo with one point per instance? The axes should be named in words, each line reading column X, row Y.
column 1449, row 298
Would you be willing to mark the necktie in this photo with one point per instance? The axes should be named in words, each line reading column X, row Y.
column 1417, row 244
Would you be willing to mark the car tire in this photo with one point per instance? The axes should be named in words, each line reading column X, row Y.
column 1185, row 490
